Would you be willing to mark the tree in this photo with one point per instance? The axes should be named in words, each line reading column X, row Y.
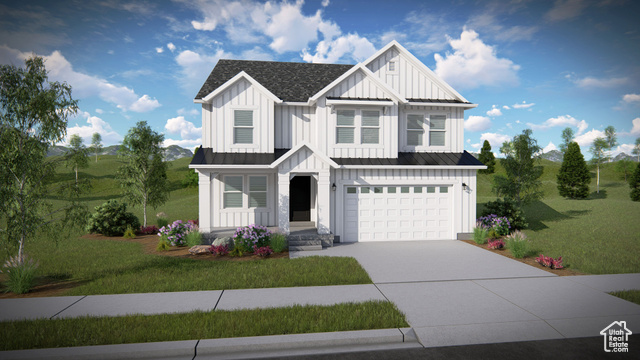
column 624, row 167
column 191, row 178
column 634, row 184
column 143, row 173
column 33, row 118
column 486, row 157
column 76, row 156
column 567, row 138
column 522, row 183
column 610, row 137
column 573, row 177
column 96, row 144
column 636, row 149
column 599, row 155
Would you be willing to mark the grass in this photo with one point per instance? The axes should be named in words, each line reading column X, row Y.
column 629, row 295
column 599, row 235
column 297, row 319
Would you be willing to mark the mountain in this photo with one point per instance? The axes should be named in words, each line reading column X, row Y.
column 173, row 152
column 553, row 155
column 623, row 156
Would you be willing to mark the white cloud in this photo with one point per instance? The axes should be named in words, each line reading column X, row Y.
column 325, row 3
column 549, row 147
column 476, row 146
column 477, row 123
column 494, row 139
column 351, row 45
column 524, row 105
column 171, row 47
column 96, row 125
column 144, row 104
column 159, row 50
column 474, row 63
column 564, row 121
column 257, row 53
column 83, row 85
column 506, row 107
column 195, row 68
column 623, row 148
column 184, row 111
column 100, row 111
column 186, row 129
column 629, row 98
column 635, row 130
column 565, row 9
column 494, row 111
column 487, row 23
column 592, row 82
column 187, row 144
column 587, row 138
column 293, row 31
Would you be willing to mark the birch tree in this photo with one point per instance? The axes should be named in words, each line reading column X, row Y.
column 599, row 155
column 96, row 144
column 76, row 156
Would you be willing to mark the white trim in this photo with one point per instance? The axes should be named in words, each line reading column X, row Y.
column 225, row 167
column 288, row 154
column 360, row 102
column 465, row 106
column 417, row 63
column 350, row 72
column 416, row 167
column 240, row 75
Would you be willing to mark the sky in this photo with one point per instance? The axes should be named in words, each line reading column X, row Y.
column 543, row 65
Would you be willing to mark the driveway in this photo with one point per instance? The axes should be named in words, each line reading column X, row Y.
column 453, row 293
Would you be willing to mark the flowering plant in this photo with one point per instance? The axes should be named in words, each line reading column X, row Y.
column 251, row 236
column 495, row 244
column 550, row 262
column 148, row 230
column 176, row 232
column 219, row 250
column 262, row 251
column 500, row 224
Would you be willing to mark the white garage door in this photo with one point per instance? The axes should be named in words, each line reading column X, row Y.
column 381, row 213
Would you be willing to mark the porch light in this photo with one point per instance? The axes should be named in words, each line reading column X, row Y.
column 333, row 187
column 465, row 187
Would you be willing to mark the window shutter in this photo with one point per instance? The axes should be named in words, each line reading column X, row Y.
column 344, row 135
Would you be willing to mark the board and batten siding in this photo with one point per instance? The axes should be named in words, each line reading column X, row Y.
column 217, row 119
column 235, row 217
column 464, row 202
column 408, row 80
column 454, row 138
column 295, row 125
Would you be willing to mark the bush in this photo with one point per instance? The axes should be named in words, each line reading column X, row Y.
column 176, row 232
column 634, row 184
column 518, row 244
column 162, row 222
column 190, row 179
column 129, row 233
column 219, row 250
column 193, row 238
column 236, row 252
column 249, row 236
column 112, row 219
column 480, row 234
column 495, row 244
column 20, row 277
column 163, row 244
column 279, row 242
column 492, row 234
column 262, row 251
column 508, row 209
column 499, row 224
column 149, row 230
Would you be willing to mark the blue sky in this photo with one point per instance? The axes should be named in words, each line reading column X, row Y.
column 544, row 65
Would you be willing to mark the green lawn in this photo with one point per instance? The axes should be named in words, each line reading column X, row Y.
column 86, row 331
column 600, row 235
column 629, row 295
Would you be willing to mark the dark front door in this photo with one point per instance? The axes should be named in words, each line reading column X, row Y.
column 300, row 199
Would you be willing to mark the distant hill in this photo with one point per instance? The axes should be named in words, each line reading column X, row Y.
column 171, row 153
column 553, row 155
column 623, row 156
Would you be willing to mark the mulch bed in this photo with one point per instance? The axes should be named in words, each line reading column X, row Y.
column 528, row 260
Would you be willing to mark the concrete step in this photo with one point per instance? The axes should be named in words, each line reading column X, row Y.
column 305, row 248
column 305, row 242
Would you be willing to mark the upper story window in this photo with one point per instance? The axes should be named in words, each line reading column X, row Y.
column 243, row 127
column 358, row 127
column 417, row 129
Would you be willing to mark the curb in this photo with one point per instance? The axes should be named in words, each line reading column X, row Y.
column 237, row 348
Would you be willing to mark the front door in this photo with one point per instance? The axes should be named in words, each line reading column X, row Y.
column 300, row 199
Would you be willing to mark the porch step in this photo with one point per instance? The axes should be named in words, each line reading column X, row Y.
column 305, row 247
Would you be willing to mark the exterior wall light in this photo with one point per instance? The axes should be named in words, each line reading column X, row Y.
column 465, row 187
column 333, row 187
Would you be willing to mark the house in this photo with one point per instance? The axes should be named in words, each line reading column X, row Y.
column 368, row 152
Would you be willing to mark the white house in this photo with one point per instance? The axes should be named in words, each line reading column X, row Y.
column 368, row 152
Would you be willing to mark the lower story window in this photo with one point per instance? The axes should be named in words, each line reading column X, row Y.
column 257, row 191
column 232, row 197
column 237, row 187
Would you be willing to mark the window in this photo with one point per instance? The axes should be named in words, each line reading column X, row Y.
column 377, row 190
column 257, row 191
column 417, row 189
column 444, row 190
column 391, row 190
column 370, row 127
column 364, row 190
column 243, row 127
column 404, row 189
column 391, row 66
column 415, row 130
column 437, row 130
column 431, row 189
column 351, row 190
column 232, row 197
column 345, row 127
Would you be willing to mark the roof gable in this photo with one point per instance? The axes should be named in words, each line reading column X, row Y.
column 241, row 75
column 290, row 82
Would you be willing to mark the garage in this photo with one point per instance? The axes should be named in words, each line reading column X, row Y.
column 383, row 213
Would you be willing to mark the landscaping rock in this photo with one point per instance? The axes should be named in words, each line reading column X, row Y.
column 200, row 250
column 227, row 240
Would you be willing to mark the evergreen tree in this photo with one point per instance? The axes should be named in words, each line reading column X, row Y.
column 486, row 157
column 636, row 149
column 573, row 177
column 634, row 183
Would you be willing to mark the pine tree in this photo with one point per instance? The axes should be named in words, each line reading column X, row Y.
column 574, row 177
column 486, row 157
column 634, row 183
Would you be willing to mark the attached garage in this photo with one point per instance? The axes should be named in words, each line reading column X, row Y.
column 383, row 213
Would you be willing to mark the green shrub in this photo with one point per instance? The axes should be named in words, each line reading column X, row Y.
column 634, row 184
column 190, row 179
column 236, row 252
column 247, row 237
column 193, row 238
column 20, row 277
column 112, row 219
column 492, row 234
column 163, row 244
column 129, row 233
column 508, row 209
column 518, row 244
column 279, row 242
column 162, row 222
column 480, row 235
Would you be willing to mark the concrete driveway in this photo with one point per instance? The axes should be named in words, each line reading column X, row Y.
column 453, row 293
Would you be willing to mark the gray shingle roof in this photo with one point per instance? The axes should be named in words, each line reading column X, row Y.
column 294, row 82
column 448, row 101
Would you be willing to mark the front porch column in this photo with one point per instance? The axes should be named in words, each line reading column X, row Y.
column 283, row 202
column 324, row 206
column 204, row 201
